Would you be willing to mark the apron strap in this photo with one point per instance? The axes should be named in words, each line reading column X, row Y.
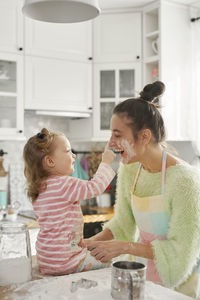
column 164, row 160
column 136, row 177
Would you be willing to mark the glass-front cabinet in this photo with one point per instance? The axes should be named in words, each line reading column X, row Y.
column 11, row 96
column 112, row 84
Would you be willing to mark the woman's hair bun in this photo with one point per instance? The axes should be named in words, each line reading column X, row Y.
column 152, row 91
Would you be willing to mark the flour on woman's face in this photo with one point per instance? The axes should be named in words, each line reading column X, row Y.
column 127, row 151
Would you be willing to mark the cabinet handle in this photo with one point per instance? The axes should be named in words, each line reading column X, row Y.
column 20, row 49
column 90, row 107
column 138, row 57
column 20, row 131
column 89, row 58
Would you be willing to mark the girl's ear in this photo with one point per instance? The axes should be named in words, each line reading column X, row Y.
column 48, row 161
column 145, row 136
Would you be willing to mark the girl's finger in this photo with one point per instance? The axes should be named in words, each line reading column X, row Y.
column 107, row 146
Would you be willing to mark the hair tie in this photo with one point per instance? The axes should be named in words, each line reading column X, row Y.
column 40, row 135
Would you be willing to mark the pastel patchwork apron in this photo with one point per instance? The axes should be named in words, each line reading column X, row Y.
column 151, row 215
column 152, row 218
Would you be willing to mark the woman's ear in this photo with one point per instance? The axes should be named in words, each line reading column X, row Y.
column 145, row 136
column 48, row 161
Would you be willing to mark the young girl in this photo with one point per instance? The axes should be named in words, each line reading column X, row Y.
column 56, row 202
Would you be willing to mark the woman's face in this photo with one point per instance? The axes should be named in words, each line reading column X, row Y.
column 122, row 140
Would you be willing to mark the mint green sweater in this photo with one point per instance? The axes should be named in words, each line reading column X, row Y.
column 176, row 256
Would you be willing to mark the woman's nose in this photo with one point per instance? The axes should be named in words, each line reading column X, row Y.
column 111, row 142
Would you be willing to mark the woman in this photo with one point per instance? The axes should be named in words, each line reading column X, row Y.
column 157, row 194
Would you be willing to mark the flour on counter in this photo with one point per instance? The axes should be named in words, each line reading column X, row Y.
column 15, row 270
column 58, row 288
column 51, row 288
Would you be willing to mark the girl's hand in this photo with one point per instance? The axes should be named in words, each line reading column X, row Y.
column 108, row 156
column 106, row 250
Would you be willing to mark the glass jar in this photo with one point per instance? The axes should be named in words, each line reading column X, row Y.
column 15, row 254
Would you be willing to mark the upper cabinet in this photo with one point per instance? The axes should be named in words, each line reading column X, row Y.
column 117, row 37
column 11, row 26
column 63, row 41
column 57, row 84
column 11, row 96
column 112, row 83
column 117, row 44
column 58, row 66
column 167, row 56
column 11, row 70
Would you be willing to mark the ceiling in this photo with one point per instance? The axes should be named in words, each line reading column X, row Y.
column 106, row 4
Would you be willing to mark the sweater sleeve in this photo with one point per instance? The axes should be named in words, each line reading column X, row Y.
column 85, row 189
column 123, row 225
column 176, row 256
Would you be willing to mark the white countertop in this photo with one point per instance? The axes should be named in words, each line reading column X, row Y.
column 51, row 288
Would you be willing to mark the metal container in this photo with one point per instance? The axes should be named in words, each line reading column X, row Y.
column 128, row 280
column 15, row 254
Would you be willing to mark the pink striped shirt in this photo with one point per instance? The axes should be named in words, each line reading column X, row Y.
column 59, row 215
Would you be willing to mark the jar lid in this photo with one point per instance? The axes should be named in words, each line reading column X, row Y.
column 13, row 227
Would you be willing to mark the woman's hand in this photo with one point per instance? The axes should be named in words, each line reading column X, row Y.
column 106, row 250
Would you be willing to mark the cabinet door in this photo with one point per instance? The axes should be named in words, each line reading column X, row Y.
column 112, row 83
column 56, row 84
column 68, row 41
column 11, row 26
column 11, row 96
column 117, row 37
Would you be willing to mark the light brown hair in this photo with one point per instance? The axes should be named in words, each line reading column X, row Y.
column 142, row 112
column 36, row 148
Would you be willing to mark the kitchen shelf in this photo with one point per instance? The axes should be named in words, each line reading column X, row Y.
column 8, row 94
column 153, row 34
column 151, row 59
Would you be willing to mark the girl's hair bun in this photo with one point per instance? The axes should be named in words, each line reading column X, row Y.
column 152, row 91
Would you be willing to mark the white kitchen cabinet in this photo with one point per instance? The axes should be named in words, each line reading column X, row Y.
column 11, row 26
column 11, row 96
column 117, row 37
column 112, row 83
column 117, row 44
column 169, row 24
column 57, row 84
column 58, row 66
column 66, row 41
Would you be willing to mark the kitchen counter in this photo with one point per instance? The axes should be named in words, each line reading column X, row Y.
column 95, row 214
column 51, row 288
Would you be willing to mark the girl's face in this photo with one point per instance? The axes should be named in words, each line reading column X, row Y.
column 122, row 140
column 62, row 157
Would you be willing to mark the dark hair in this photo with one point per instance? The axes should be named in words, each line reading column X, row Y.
column 142, row 112
column 36, row 148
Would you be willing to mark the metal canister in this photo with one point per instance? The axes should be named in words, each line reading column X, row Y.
column 128, row 280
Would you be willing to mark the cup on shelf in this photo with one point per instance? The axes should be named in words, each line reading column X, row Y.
column 154, row 45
